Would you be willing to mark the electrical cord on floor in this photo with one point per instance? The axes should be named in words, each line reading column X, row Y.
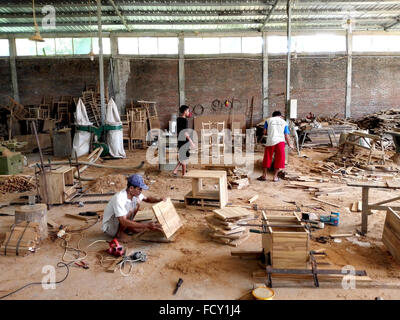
column 60, row 264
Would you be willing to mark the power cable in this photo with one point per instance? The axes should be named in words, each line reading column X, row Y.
column 40, row 283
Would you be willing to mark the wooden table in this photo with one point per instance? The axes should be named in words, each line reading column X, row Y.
column 329, row 131
column 366, row 207
column 220, row 197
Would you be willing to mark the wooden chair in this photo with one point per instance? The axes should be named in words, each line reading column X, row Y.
column 126, row 130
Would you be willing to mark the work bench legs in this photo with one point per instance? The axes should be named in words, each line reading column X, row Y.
column 365, row 210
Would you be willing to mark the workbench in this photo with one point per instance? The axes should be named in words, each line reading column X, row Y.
column 366, row 207
column 329, row 131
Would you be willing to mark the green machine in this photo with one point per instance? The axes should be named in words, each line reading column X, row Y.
column 97, row 132
column 10, row 162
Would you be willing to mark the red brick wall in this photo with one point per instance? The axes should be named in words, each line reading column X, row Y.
column 154, row 80
column 55, row 77
column 5, row 81
column 318, row 84
column 207, row 80
column 376, row 85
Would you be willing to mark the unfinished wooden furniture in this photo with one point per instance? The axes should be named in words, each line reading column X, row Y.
column 151, row 113
column 137, row 118
column 285, row 247
column 366, row 207
column 213, row 138
column 126, row 131
column 60, row 184
column 167, row 217
column 92, row 107
column 391, row 233
column 63, row 113
column 202, row 199
column 355, row 138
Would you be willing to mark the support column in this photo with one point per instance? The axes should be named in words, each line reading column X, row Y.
column 115, row 71
column 349, row 52
column 181, row 70
column 265, row 77
column 101, row 63
column 289, row 53
column 13, row 67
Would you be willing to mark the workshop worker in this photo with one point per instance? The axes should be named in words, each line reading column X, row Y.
column 123, row 206
column 182, row 125
column 277, row 132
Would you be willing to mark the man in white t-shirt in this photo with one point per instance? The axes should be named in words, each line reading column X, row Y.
column 123, row 206
column 277, row 132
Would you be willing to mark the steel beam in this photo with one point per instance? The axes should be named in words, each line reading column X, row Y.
column 101, row 63
column 181, row 71
column 120, row 15
column 349, row 52
column 269, row 14
column 289, row 53
column 13, row 69
column 265, row 77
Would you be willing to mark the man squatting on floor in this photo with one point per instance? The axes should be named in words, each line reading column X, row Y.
column 123, row 206
column 277, row 132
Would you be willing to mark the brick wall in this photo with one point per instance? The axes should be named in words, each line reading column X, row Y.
column 5, row 81
column 376, row 84
column 55, row 77
column 155, row 80
column 207, row 80
column 318, row 83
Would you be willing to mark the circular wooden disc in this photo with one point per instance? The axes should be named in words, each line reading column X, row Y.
column 263, row 293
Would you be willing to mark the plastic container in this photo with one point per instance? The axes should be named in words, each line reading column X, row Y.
column 335, row 218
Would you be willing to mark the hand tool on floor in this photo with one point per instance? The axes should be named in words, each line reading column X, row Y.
column 82, row 264
column 115, row 248
column 88, row 214
column 180, row 281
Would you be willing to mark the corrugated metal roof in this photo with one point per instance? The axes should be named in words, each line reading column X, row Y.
column 182, row 15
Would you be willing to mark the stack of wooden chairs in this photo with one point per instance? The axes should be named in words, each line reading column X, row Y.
column 135, row 128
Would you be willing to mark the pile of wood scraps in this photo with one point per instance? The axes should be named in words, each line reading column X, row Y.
column 22, row 239
column 224, row 226
column 16, row 184
column 237, row 177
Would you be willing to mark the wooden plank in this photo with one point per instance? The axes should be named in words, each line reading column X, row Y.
column 144, row 215
column 326, row 202
column 168, row 217
column 212, row 174
column 391, row 233
column 232, row 212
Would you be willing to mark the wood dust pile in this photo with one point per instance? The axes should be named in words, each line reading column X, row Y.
column 108, row 184
column 16, row 184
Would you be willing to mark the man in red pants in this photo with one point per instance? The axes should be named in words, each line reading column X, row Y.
column 278, row 132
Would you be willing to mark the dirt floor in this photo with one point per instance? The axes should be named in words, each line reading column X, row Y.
column 207, row 268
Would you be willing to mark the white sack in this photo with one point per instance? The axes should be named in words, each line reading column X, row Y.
column 115, row 139
column 81, row 142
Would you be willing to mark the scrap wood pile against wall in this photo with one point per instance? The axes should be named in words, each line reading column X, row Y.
column 224, row 228
column 22, row 239
column 381, row 121
column 16, row 184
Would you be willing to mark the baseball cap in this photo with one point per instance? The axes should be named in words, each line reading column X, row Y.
column 136, row 180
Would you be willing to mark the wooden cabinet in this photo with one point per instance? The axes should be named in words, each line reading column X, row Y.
column 287, row 247
column 60, row 185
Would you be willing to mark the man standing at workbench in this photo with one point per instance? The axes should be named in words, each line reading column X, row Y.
column 277, row 131
column 123, row 206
